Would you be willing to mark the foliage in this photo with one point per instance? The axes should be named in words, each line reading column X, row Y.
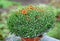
column 31, row 21
column 4, row 32
column 55, row 10
column 55, row 33
column 6, row 4
column 58, row 12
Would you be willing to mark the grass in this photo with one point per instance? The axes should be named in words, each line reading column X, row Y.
column 55, row 33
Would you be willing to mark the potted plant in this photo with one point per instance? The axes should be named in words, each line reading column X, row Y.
column 31, row 22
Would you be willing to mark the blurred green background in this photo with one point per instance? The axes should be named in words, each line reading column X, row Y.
column 7, row 6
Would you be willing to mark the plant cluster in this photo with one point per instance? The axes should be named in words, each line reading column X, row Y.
column 31, row 21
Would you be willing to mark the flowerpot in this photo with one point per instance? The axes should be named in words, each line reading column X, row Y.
column 31, row 39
